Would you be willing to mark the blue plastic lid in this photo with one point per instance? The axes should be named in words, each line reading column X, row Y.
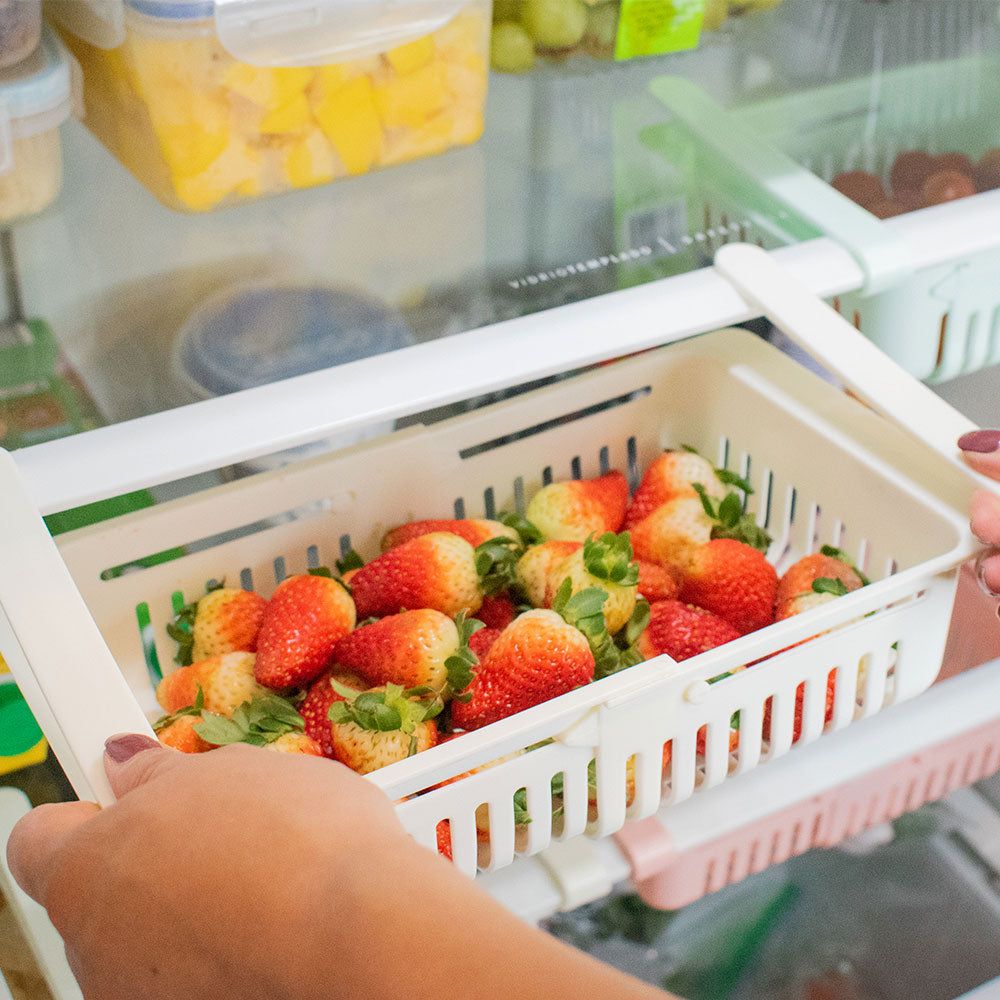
column 174, row 10
column 257, row 334
column 38, row 84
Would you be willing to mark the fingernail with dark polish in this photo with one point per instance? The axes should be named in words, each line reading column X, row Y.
column 124, row 747
column 980, row 441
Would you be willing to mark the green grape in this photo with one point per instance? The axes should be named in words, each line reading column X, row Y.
column 511, row 49
column 602, row 30
column 555, row 24
column 507, row 10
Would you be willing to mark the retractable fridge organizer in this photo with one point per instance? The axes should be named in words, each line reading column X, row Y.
column 936, row 322
column 825, row 468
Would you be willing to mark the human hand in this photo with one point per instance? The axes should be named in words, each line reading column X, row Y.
column 981, row 450
column 243, row 873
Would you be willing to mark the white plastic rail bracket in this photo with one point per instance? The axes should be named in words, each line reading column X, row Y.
column 578, row 870
column 840, row 348
column 53, row 647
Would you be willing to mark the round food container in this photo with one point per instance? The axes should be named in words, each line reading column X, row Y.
column 35, row 99
column 255, row 333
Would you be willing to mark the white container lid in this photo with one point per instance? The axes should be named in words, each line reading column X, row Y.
column 275, row 32
column 36, row 94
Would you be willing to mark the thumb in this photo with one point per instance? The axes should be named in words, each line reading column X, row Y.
column 37, row 838
column 981, row 449
column 132, row 759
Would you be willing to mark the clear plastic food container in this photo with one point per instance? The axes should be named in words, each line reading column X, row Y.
column 35, row 99
column 209, row 103
column 604, row 29
column 20, row 29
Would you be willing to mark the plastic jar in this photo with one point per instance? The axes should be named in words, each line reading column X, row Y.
column 206, row 108
column 35, row 99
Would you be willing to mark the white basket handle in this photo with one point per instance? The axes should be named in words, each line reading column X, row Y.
column 44, row 620
column 845, row 352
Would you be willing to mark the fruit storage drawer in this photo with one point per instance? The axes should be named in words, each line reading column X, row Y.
column 937, row 322
column 824, row 468
column 204, row 117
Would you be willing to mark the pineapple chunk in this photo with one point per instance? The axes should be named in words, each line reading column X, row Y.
column 291, row 117
column 465, row 33
column 189, row 149
column 238, row 164
column 270, row 88
column 410, row 100
column 434, row 136
column 310, row 161
column 412, row 56
column 350, row 121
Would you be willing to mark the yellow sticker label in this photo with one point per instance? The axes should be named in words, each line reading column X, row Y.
column 652, row 27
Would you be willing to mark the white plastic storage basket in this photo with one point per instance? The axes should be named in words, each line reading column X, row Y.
column 825, row 470
column 937, row 322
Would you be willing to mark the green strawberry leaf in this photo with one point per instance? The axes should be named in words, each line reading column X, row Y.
column 731, row 522
column 706, row 501
column 323, row 571
column 348, row 561
column 387, row 711
column 835, row 553
column 521, row 814
column 637, row 623
column 258, row 721
column 181, row 630
column 195, row 709
column 220, row 731
column 730, row 510
column 496, row 560
column 461, row 664
column 530, row 535
column 609, row 558
column 728, row 478
column 689, row 449
column 826, row 585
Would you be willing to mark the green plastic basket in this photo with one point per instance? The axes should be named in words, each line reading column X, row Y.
column 937, row 322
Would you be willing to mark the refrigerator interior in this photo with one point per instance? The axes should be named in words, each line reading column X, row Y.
column 452, row 244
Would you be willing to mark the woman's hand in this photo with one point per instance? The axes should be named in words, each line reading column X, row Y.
column 243, row 873
column 982, row 451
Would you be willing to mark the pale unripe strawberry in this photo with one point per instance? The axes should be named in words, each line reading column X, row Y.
column 575, row 509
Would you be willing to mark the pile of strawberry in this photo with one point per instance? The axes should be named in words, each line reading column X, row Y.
column 460, row 623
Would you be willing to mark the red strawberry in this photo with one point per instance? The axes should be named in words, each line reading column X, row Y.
column 576, row 509
column 180, row 735
column 734, row 581
column 656, row 583
column 296, row 743
column 672, row 474
column 816, row 579
column 413, row 649
column 800, row 694
column 537, row 657
column 435, row 571
column 225, row 620
column 474, row 530
column 682, row 631
column 226, row 682
column 482, row 640
column 380, row 727
column 534, row 570
column 497, row 611
column 303, row 621
column 443, row 832
column 315, row 709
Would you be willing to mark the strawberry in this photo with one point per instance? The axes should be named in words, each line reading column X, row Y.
column 497, row 611
column 682, row 631
column 225, row 620
column 225, row 683
column 297, row 743
column 537, row 657
column 315, row 709
column 303, row 621
column 260, row 721
column 578, row 508
column 734, row 581
column 816, row 579
column 800, row 695
column 605, row 563
column 482, row 640
column 474, row 530
column 437, row 571
column 671, row 534
column 672, row 474
column 443, row 832
column 656, row 583
column 629, row 778
column 533, row 571
column 413, row 649
column 381, row 726
column 178, row 732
